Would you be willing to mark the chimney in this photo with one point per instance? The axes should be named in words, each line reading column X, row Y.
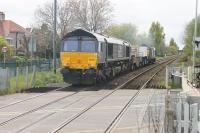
column 2, row 16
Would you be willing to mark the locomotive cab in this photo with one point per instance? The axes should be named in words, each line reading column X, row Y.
column 79, row 58
column 79, row 53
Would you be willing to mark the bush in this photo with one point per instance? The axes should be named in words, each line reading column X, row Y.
column 19, row 59
column 45, row 78
column 42, row 79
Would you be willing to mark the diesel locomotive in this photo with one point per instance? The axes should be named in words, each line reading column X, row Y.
column 88, row 57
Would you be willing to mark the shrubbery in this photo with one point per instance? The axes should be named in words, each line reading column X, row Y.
column 4, row 43
column 42, row 79
column 45, row 78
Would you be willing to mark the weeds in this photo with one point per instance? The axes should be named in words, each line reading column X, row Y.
column 42, row 79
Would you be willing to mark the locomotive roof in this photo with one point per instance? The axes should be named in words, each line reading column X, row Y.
column 99, row 37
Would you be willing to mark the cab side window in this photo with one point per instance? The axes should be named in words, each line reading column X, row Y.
column 101, row 47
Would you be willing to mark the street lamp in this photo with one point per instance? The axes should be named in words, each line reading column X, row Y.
column 54, row 35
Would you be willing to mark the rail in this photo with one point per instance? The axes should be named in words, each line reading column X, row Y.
column 68, row 121
column 113, row 124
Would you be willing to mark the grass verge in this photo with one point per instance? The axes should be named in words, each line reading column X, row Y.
column 40, row 79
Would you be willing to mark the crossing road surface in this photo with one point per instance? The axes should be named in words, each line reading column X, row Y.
column 30, row 113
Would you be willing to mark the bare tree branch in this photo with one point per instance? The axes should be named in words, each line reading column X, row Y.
column 44, row 15
column 93, row 15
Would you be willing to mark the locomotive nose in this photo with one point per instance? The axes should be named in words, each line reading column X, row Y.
column 79, row 60
column 79, row 67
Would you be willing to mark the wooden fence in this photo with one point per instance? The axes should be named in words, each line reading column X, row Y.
column 187, row 118
column 181, row 117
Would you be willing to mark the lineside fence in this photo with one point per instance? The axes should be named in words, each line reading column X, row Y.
column 174, row 76
column 18, row 76
column 181, row 115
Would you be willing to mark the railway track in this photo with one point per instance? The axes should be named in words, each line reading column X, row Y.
column 140, row 72
column 115, row 121
column 40, row 107
column 29, row 98
column 121, row 79
column 71, row 88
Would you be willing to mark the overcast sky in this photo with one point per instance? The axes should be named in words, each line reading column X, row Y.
column 172, row 14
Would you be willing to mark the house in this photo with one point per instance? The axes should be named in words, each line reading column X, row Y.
column 13, row 32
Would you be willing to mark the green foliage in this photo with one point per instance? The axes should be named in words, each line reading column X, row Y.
column 172, row 49
column 156, row 32
column 2, row 41
column 2, row 44
column 174, row 85
column 188, row 39
column 20, row 59
column 44, row 78
column 126, row 31
column 13, row 88
column 10, row 52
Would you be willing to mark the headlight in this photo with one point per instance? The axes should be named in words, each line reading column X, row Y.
column 91, row 65
column 91, row 62
column 66, row 64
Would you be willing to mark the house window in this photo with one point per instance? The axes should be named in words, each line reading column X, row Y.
column 10, row 41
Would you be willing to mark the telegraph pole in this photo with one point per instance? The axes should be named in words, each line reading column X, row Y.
column 54, row 35
column 194, row 38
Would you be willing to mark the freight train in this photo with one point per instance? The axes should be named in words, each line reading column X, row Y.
column 88, row 57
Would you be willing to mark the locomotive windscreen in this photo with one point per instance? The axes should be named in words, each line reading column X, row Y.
column 70, row 46
column 88, row 46
column 81, row 44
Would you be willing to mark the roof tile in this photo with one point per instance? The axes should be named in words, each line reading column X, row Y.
column 13, row 27
column 8, row 26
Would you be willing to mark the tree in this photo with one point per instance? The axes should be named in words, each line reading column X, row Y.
column 3, row 43
column 188, row 39
column 65, row 17
column 43, row 36
column 93, row 15
column 24, row 41
column 126, row 31
column 172, row 49
column 44, row 15
column 144, row 39
column 157, row 34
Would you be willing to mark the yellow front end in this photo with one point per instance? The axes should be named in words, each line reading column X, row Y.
column 78, row 60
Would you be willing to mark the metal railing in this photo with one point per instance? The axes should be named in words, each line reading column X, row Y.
column 16, row 76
